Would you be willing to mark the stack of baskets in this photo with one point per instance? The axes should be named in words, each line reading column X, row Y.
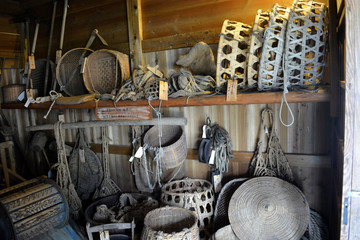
column 196, row 195
column 285, row 49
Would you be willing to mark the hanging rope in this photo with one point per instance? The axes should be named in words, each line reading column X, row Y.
column 63, row 178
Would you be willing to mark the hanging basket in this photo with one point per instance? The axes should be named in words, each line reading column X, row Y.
column 233, row 53
column 257, row 38
column 305, row 44
column 170, row 223
column 173, row 143
column 105, row 71
column 268, row 208
column 270, row 70
column 194, row 194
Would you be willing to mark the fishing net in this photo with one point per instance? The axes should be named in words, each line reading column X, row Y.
column 233, row 53
column 270, row 70
column 305, row 44
column 68, row 71
column 269, row 159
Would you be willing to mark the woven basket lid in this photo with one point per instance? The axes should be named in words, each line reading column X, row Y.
column 268, row 208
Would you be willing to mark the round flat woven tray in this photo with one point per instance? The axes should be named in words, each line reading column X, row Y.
column 68, row 71
column 105, row 71
column 268, row 208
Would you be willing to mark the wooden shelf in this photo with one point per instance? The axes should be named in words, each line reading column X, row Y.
column 322, row 95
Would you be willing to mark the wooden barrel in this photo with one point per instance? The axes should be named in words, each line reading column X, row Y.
column 31, row 208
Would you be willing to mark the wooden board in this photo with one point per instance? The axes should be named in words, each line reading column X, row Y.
column 124, row 113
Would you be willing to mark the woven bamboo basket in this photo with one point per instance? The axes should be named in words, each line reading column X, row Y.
column 170, row 223
column 268, row 208
column 305, row 44
column 225, row 233
column 173, row 143
column 196, row 195
column 11, row 92
column 105, row 71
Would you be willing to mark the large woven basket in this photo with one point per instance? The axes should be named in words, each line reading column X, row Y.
column 11, row 92
column 173, row 143
column 221, row 218
column 268, row 208
column 170, row 223
column 225, row 233
column 196, row 195
column 105, row 71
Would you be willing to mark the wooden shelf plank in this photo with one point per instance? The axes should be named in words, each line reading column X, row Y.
column 322, row 95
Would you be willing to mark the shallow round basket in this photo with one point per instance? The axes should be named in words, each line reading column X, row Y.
column 196, row 195
column 170, row 223
column 268, row 208
column 68, row 71
column 105, row 71
column 173, row 143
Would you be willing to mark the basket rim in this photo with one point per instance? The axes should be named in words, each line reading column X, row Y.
column 164, row 191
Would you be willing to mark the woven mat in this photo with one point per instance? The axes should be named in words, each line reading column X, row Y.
column 268, row 208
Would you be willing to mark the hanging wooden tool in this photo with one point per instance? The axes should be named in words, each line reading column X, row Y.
column 108, row 186
column 30, row 94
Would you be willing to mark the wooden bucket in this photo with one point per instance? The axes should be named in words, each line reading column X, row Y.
column 31, row 208
column 170, row 223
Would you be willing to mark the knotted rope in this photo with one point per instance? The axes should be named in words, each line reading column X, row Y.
column 63, row 178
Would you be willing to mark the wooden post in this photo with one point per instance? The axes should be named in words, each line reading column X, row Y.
column 135, row 30
column 350, row 218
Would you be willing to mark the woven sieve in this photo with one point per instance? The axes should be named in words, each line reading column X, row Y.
column 173, row 142
column 68, row 71
column 270, row 70
column 232, row 53
column 221, row 218
column 105, row 71
column 257, row 37
column 196, row 195
column 305, row 44
column 170, row 223
column 268, row 208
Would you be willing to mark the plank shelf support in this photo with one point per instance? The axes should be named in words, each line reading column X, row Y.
column 322, row 95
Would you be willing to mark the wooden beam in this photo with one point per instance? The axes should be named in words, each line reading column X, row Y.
column 180, row 40
column 296, row 160
column 135, row 32
column 323, row 95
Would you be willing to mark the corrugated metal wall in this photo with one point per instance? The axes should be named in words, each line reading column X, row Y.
column 309, row 134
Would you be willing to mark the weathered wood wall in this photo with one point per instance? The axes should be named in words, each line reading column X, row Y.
column 10, row 43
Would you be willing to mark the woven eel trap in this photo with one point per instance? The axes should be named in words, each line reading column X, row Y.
column 257, row 37
column 232, row 53
column 170, row 223
column 196, row 195
column 173, row 143
column 268, row 208
column 305, row 44
column 105, row 71
column 270, row 70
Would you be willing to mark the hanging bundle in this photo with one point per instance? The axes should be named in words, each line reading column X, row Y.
column 305, row 44
column 269, row 159
column 63, row 178
column 85, row 167
column 217, row 140
column 233, row 53
column 270, row 70
column 183, row 83
column 108, row 186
